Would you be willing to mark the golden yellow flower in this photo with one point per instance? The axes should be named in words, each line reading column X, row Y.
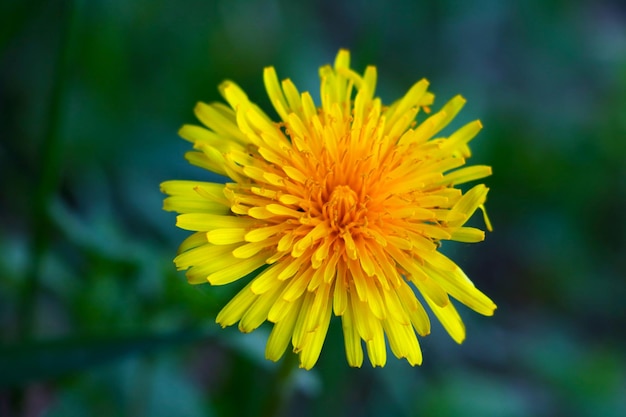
column 339, row 209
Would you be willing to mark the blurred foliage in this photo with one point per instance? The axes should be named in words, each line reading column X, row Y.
column 96, row 321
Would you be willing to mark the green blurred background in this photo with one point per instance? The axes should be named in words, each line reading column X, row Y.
column 95, row 320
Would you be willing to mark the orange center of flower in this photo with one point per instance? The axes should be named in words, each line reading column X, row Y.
column 341, row 208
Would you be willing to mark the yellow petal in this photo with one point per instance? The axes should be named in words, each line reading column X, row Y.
column 376, row 349
column 226, row 236
column 235, row 271
column 206, row 221
column 459, row 286
column 450, row 319
column 257, row 313
column 352, row 341
column 467, row 234
column 467, row 174
column 311, row 349
column 236, row 307
column 274, row 92
column 414, row 309
column 403, row 341
column 280, row 335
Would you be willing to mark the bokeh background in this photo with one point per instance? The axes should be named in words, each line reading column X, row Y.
column 95, row 320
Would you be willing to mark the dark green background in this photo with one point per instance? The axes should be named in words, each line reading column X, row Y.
column 95, row 320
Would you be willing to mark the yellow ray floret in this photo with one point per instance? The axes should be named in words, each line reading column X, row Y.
column 339, row 209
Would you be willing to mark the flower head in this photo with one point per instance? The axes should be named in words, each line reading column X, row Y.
column 339, row 209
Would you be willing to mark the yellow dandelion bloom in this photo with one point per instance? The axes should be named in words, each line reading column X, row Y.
column 340, row 209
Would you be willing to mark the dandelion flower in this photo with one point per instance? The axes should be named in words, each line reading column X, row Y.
column 338, row 210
